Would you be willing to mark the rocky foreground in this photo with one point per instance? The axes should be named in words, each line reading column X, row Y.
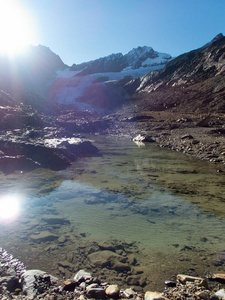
column 18, row 283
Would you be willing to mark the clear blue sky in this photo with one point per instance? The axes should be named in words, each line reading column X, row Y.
column 82, row 30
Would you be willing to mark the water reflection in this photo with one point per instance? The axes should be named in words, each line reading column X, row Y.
column 9, row 208
column 169, row 206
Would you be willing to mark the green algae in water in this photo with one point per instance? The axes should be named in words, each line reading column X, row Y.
column 169, row 205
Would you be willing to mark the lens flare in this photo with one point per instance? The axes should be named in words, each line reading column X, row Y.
column 9, row 208
column 15, row 28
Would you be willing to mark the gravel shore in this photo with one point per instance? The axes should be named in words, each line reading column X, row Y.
column 18, row 283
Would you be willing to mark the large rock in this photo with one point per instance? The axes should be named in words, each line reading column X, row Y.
column 55, row 154
column 154, row 296
column 143, row 138
column 27, row 281
column 112, row 291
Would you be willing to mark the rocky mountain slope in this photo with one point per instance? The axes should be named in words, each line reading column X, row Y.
column 191, row 82
column 92, row 85
column 181, row 106
column 140, row 57
column 27, row 77
column 40, row 78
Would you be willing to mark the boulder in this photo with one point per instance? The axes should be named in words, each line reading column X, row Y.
column 112, row 291
column 154, row 296
column 143, row 138
column 19, row 154
column 27, row 281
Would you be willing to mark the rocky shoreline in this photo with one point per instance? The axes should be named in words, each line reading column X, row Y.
column 197, row 135
column 29, row 144
column 18, row 283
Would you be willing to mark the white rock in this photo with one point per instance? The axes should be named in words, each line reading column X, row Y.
column 112, row 290
column 82, row 275
column 183, row 278
column 221, row 294
column 27, row 280
column 154, row 296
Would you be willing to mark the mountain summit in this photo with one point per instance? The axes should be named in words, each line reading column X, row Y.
column 194, row 80
column 140, row 57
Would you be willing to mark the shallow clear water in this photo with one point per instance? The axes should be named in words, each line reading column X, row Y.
column 164, row 207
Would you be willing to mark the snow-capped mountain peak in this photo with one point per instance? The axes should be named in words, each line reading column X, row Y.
column 134, row 59
column 91, row 85
column 145, row 56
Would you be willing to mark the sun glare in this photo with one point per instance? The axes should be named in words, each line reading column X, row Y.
column 15, row 27
column 9, row 208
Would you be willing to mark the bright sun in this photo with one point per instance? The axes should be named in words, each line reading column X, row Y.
column 15, row 27
column 9, row 208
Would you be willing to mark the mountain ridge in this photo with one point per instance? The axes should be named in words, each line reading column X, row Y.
column 118, row 62
column 203, row 67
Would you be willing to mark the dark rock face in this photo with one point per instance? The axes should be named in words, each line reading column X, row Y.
column 17, row 155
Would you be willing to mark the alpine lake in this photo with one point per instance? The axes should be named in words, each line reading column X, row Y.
column 136, row 215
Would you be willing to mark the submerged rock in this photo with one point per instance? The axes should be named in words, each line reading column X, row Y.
column 44, row 236
column 108, row 259
column 52, row 220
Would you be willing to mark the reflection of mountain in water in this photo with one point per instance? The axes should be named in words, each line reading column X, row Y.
column 136, row 173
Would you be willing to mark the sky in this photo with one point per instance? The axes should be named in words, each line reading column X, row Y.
column 83, row 30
